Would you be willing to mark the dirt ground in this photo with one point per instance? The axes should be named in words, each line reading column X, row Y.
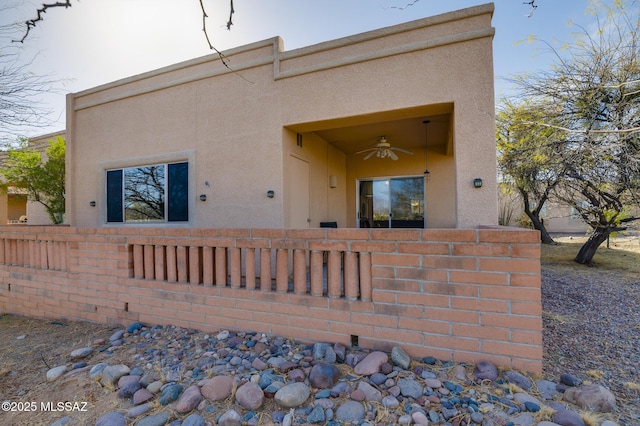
column 30, row 347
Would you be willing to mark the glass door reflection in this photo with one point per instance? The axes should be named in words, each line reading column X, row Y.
column 391, row 203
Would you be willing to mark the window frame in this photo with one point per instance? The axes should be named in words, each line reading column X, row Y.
column 166, row 159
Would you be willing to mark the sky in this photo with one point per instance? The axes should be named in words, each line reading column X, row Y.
column 99, row 41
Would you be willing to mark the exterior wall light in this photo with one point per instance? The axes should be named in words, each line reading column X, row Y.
column 203, row 197
column 92, row 203
column 477, row 183
column 271, row 193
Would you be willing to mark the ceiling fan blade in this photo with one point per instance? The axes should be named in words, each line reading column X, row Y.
column 370, row 154
column 366, row 150
column 402, row 150
column 392, row 154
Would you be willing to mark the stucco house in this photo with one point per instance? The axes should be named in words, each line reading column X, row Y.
column 275, row 139
column 207, row 196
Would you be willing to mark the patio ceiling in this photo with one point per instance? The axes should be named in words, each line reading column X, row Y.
column 408, row 133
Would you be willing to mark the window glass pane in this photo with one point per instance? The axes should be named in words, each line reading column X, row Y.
column 407, row 202
column 114, row 196
column 178, row 191
column 381, row 203
column 144, row 194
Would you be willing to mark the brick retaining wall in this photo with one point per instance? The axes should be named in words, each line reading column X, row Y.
column 461, row 295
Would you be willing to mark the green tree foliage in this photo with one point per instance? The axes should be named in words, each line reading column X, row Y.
column 42, row 176
column 528, row 159
column 594, row 88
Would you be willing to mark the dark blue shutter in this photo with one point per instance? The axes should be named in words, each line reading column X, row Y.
column 178, row 192
column 114, row 196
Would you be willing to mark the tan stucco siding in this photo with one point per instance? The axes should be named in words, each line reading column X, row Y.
column 232, row 126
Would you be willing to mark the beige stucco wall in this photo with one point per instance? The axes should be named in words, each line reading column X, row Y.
column 238, row 129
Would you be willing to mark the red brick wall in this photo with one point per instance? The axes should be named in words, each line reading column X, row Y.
column 462, row 295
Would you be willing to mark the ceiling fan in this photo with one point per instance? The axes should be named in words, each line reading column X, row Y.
column 383, row 149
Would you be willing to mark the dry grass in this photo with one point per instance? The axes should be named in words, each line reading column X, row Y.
column 623, row 253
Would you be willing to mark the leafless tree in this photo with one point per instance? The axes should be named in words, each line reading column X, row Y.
column 30, row 24
column 20, row 92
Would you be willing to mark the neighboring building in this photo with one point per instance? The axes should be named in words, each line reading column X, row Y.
column 15, row 208
column 275, row 140
column 558, row 218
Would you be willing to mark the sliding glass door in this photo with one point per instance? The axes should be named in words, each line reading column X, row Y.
column 391, row 203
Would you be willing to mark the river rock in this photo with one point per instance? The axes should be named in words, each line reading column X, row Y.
column 547, row 388
column 116, row 336
column 155, row 420
column 370, row 393
column 259, row 364
column 419, row 418
column 229, row 418
column 518, row 379
column 371, row 363
column 189, row 400
column 292, row 395
column 127, row 380
column 134, row 327
column 170, row 393
column 218, row 388
column 410, row 387
column 350, row 411
column 81, row 353
column 96, row 370
column 390, row 401
column 112, row 419
column 250, row 396
column 138, row 410
column 591, row 397
column 317, row 415
column 567, row 418
column 112, row 373
column 155, row 387
column 400, row 358
column 459, row 372
column 324, row 376
column 141, row 396
column 486, row 370
column 56, row 372
column 570, row 380
column 194, row 420
column 128, row 390
column 297, row 375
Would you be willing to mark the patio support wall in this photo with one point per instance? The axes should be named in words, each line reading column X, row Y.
column 462, row 295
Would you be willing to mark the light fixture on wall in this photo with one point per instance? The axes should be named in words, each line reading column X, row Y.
column 333, row 181
column 271, row 193
column 203, row 197
column 92, row 203
column 426, row 147
column 477, row 183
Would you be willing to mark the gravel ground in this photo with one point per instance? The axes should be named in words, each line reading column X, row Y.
column 592, row 330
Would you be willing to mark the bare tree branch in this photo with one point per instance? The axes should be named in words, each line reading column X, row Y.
column 231, row 12
column 31, row 23
column 533, row 5
column 223, row 58
column 405, row 6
